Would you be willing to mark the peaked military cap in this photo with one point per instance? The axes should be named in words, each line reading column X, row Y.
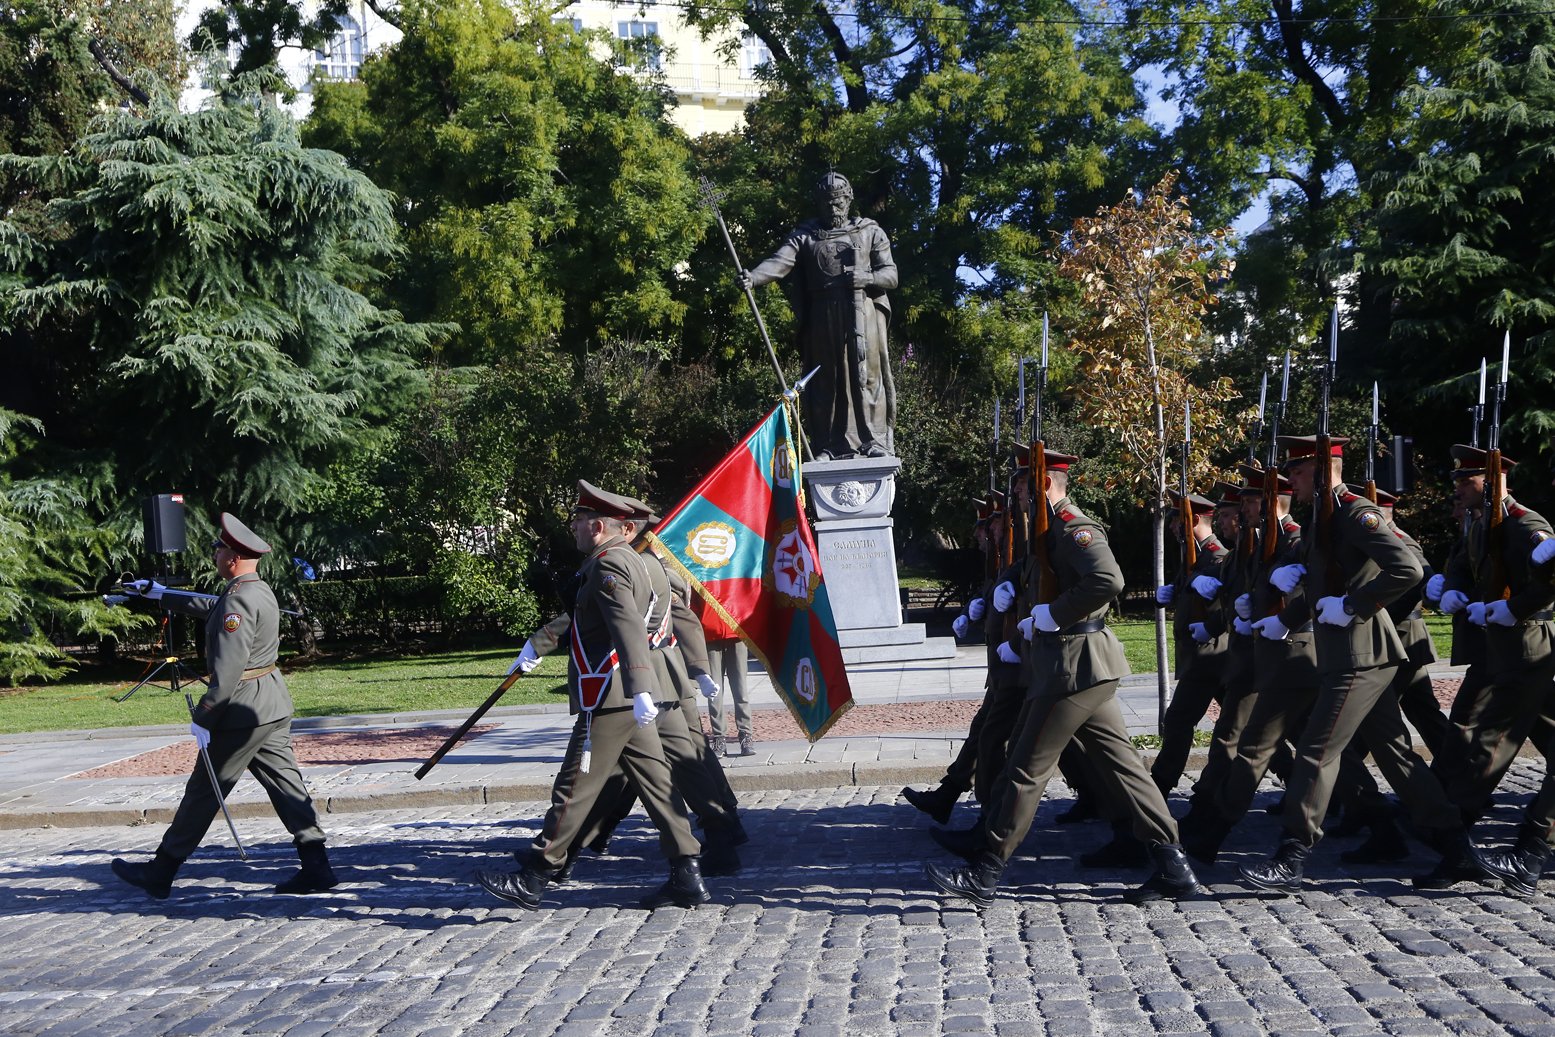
column 1200, row 505
column 241, row 540
column 1299, row 448
column 1386, row 499
column 1471, row 461
column 1254, row 477
column 1230, row 496
column 596, row 501
column 642, row 512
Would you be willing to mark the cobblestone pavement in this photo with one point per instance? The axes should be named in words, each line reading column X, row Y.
column 830, row 930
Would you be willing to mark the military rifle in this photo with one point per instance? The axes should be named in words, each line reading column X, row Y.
column 1254, row 434
column 1371, row 449
column 1322, row 472
column 1190, row 541
column 1495, row 584
column 1038, row 520
column 1271, row 485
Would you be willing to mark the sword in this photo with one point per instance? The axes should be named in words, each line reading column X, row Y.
column 210, row 771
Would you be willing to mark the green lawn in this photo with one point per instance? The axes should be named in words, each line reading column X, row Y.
column 440, row 680
column 1138, row 637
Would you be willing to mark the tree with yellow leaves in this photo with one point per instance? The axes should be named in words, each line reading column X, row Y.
column 1146, row 277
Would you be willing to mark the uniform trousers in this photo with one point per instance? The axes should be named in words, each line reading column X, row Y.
column 728, row 660
column 1272, row 714
column 266, row 753
column 1348, row 702
column 1512, row 709
column 615, row 737
column 1196, row 689
column 1092, row 718
column 1417, row 698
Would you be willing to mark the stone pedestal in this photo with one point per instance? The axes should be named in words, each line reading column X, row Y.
column 852, row 500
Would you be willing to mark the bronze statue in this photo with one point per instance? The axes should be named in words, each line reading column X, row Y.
column 843, row 268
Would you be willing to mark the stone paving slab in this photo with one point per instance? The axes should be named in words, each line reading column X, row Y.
column 829, row 930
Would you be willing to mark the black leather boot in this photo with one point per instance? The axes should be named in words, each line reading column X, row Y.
column 524, row 887
column 315, row 875
column 936, row 802
column 1173, row 879
column 1282, row 872
column 684, row 888
column 155, row 876
column 719, row 857
column 977, row 882
column 1519, row 869
column 965, row 843
column 1201, row 838
column 1458, row 864
column 1084, row 809
column 1123, row 851
column 1386, row 843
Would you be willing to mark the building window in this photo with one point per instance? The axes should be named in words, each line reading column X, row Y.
column 341, row 57
column 576, row 23
column 753, row 54
column 641, row 40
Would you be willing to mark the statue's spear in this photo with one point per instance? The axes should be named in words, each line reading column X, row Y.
column 710, row 196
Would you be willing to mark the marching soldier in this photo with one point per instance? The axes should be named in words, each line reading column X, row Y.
column 1350, row 572
column 243, row 721
column 612, row 692
column 1201, row 653
column 1076, row 663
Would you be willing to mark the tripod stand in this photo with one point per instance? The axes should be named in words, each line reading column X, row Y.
column 177, row 673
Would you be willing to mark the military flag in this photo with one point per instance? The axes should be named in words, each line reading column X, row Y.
column 742, row 540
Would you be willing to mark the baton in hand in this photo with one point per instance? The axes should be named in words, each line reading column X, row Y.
column 464, row 728
column 210, row 770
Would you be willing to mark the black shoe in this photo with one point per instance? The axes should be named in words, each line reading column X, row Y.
column 1124, row 851
column 1352, row 823
column 684, row 888
column 1519, row 869
column 1386, row 843
column 937, row 802
column 524, row 887
column 965, row 843
column 155, row 876
column 600, row 844
column 315, row 876
column 1173, row 880
column 1084, row 809
column 719, row 859
column 1459, row 862
column 1282, row 872
column 978, row 882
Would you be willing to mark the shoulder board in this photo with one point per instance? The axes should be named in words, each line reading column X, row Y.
column 1212, row 545
column 1067, row 515
column 1348, row 497
column 1291, row 526
column 1400, row 534
column 1517, row 511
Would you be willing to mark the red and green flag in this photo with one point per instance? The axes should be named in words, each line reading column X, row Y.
column 741, row 538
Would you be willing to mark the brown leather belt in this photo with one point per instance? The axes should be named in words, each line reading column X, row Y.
column 258, row 672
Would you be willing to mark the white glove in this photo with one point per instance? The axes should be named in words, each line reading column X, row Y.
column 1008, row 654
column 1042, row 616
column 1331, row 610
column 1271, row 628
column 116, row 599
column 1544, row 552
column 1024, row 626
column 1206, row 587
column 1244, row 606
column 707, row 686
column 1454, row 601
column 643, row 709
column 527, row 660
column 959, row 627
column 976, row 608
column 202, row 736
column 1003, row 596
column 1165, row 593
column 1200, row 632
column 1286, row 577
column 1242, row 627
column 1499, row 612
column 146, row 588
column 1476, row 613
column 1434, row 587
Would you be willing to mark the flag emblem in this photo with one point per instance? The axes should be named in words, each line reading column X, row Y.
column 712, row 544
column 792, row 572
